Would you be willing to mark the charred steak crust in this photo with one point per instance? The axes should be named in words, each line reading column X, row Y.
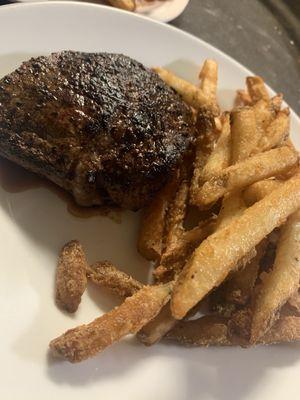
column 102, row 126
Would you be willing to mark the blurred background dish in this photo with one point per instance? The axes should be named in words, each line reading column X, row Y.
column 160, row 10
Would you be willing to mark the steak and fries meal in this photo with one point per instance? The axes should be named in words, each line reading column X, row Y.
column 219, row 192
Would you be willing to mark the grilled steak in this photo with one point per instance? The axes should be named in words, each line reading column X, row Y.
column 102, row 126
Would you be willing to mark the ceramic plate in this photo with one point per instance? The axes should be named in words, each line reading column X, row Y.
column 35, row 223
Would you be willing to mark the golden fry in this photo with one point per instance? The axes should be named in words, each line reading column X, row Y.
column 219, row 253
column 209, row 330
column 239, row 287
column 275, row 133
column 212, row 330
column 246, row 172
column 105, row 274
column 232, row 208
column 256, row 88
column 128, row 5
column 276, row 102
column 294, row 303
column 244, row 135
column 86, row 341
column 220, row 156
column 187, row 243
column 190, row 93
column 281, row 282
column 286, row 329
column 264, row 114
column 176, row 214
column 158, row 327
column 209, row 79
column 150, row 238
column 70, row 276
column 259, row 190
column 242, row 99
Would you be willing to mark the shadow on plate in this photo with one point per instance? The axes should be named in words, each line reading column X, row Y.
column 219, row 373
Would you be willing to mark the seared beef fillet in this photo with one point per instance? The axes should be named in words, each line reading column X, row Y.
column 102, row 126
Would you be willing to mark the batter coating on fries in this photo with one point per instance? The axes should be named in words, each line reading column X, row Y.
column 87, row 340
column 105, row 274
column 71, row 280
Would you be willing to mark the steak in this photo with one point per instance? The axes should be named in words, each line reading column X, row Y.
column 102, row 126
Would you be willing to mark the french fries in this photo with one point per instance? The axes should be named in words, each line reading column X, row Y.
column 87, row 340
column 256, row 88
column 105, row 274
column 192, row 95
column 209, row 80
column 281, row 282
column 220, row 156
column 259, row 190
column 232, row 208
column 239, row 264
column 150, row 240
column 244, row 173
column 187, row 242
column 275, row 133
column 176, row 214
column 213, row 331
column 158, row 327
column 216, row 256
column 239, row 287
column 71, row 280
column 209, row 330
column 128, row 5
column 294, row 303
column 244, row 134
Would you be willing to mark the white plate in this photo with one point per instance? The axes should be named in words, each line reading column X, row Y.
column 35, row 224
column 164, row 11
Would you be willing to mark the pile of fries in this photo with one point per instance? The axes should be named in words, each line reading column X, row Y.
column 224, row 235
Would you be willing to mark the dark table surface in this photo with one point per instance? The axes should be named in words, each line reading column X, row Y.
column 264, row 35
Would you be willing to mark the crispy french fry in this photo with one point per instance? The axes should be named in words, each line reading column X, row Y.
column 244, row 173
column 244, row 135
column 158, row 327
column 264, row 114
column 70, row 276
column 256, row 88
column 286, row 329
column 259, row 190
column 105, row 274
column 128, row 5
column 275, row 133
column 281, row 282
column 87, row 340
column 151, row 233
column 294, row 303
column 191, row 94
column 276, row 102
column 216, row 256
column 233, row 206
column 242, row 98
column 209, row 79
column 213, row 331
column 176, row 214
column 207, row 129
column 220, row 156
column 239, row 287
column 209, row 330
column 187, row 243
column 173, row 260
